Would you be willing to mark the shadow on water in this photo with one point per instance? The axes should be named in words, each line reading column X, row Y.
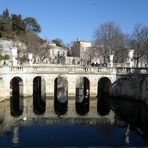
column 103, row 103
column 82, row 96
column 16, row 99
column 133, row 112
column 38, row 104
column 60, row 107
column 15, row 107
column 103, row 98
column 83, row 107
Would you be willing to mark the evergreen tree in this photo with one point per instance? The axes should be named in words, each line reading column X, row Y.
column 31, row 24
column 5, row 16
column 18, row 25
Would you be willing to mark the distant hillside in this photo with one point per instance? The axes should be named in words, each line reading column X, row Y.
column 16, row 29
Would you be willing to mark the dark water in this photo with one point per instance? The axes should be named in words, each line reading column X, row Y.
column 82, row 132
column 66, row 133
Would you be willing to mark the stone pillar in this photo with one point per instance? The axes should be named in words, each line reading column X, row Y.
column 93, row 87
column 111, row 60
column 130, row 55
column 93, row 99
column 30, row 58
column 71, row 97
column 28, row 97
column 49, row 112
column 14, row 55
column 28, row 86
column 49, row 87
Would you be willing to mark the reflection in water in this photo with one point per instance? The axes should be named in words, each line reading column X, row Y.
column 16, row 103
column 133, row 112
column 103, row 99
column 15, row 106
column 126, row 139
column 15, row 136
column 39, row 100
column 131, row 116
column 82, row 96
column 60, row 95
column 64, row 132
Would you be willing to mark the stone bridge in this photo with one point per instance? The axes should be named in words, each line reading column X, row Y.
column 26, row 75
column 55, row 82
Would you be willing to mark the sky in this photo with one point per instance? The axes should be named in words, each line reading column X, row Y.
column 70, row 20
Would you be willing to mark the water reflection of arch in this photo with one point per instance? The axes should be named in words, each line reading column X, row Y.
column 103, row 98
column 82, row 95
column 60, row 95
column 16, row 96
column 39, row 95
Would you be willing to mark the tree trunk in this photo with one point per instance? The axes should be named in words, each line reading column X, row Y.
column 137, row 62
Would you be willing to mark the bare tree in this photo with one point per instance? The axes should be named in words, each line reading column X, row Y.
column 110, row 38
column 91, row 53
column 21, row 49
column 139, row 42
column 44, row 51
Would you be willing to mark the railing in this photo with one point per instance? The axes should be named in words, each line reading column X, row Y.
column 132, row 70
column 57, row 69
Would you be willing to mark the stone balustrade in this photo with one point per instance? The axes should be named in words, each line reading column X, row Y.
column 129, row 70
column 62, row 69
column 57, row 69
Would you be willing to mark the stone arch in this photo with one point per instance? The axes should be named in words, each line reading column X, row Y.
column 82, row 95
column 60, row 95
column 39, row 95
column 103, row 98
column 16, row 96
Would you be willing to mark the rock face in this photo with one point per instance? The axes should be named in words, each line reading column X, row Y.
column 6, row 46
column 133, row 86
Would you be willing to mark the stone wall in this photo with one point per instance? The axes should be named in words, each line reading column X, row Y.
column 49, row 74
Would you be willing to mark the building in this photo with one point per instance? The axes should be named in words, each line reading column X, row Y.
column 57, row 54
column 80, row 48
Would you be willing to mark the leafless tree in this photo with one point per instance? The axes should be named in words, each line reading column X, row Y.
column 91, row 53
column 110, row 38
column 21, row 49
column 139, row 42
column 44, row 51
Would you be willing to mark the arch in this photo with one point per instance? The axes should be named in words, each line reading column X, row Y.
column 103, row 98
column 39, row 95
column 82, row 95
column 60, row 95
column 16, row 96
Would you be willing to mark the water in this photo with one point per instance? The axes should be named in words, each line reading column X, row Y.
column 78, row 132
column 49, row 133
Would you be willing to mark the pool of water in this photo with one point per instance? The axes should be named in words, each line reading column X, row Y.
column 61, row 132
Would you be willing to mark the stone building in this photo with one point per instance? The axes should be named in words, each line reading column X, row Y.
column 80, row 48
column 57, row 54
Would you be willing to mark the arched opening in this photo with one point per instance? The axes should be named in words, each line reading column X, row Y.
column 16, row 97
column 103, row 98
column 60, row 95
column 82, row 96
column 39, row 95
